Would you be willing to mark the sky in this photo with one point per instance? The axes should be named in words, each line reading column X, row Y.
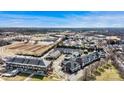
column 61, row 19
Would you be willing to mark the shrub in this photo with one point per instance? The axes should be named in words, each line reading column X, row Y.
column 97, row 73
column 106, row 67
column 101, row 69
column 109, row 65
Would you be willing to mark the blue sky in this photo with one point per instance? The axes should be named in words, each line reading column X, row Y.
column 61, row 19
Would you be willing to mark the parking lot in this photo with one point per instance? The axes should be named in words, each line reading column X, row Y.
column 20, row 77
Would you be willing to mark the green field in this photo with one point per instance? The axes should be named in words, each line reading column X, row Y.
column 37, row 78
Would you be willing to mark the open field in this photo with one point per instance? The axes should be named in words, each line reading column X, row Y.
column 52, row 77
column 110, row 74
column 5, row 52
column 23, row 77
column 28, row 48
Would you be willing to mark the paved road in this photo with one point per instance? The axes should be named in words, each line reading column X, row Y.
column 57, row 67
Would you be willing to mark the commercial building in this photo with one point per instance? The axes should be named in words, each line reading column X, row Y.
column 28, row 65
column 4, row 42
column 53, row 55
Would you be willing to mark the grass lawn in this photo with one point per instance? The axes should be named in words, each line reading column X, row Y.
column 110, row 74
column 19, row 77
column 41, row 78
column 37, row 78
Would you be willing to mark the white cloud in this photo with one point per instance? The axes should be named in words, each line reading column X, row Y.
column 95, row 19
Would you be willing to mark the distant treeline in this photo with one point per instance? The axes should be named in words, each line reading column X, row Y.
column 111, row 31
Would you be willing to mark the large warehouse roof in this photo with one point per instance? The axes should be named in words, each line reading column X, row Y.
column 27, row 61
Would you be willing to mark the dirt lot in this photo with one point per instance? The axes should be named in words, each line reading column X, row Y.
column 28, row 48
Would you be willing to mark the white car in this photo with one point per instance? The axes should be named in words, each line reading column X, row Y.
column 6, row 75
column 15, row 72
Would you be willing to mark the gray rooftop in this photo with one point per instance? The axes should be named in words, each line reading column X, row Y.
column 27, row 61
